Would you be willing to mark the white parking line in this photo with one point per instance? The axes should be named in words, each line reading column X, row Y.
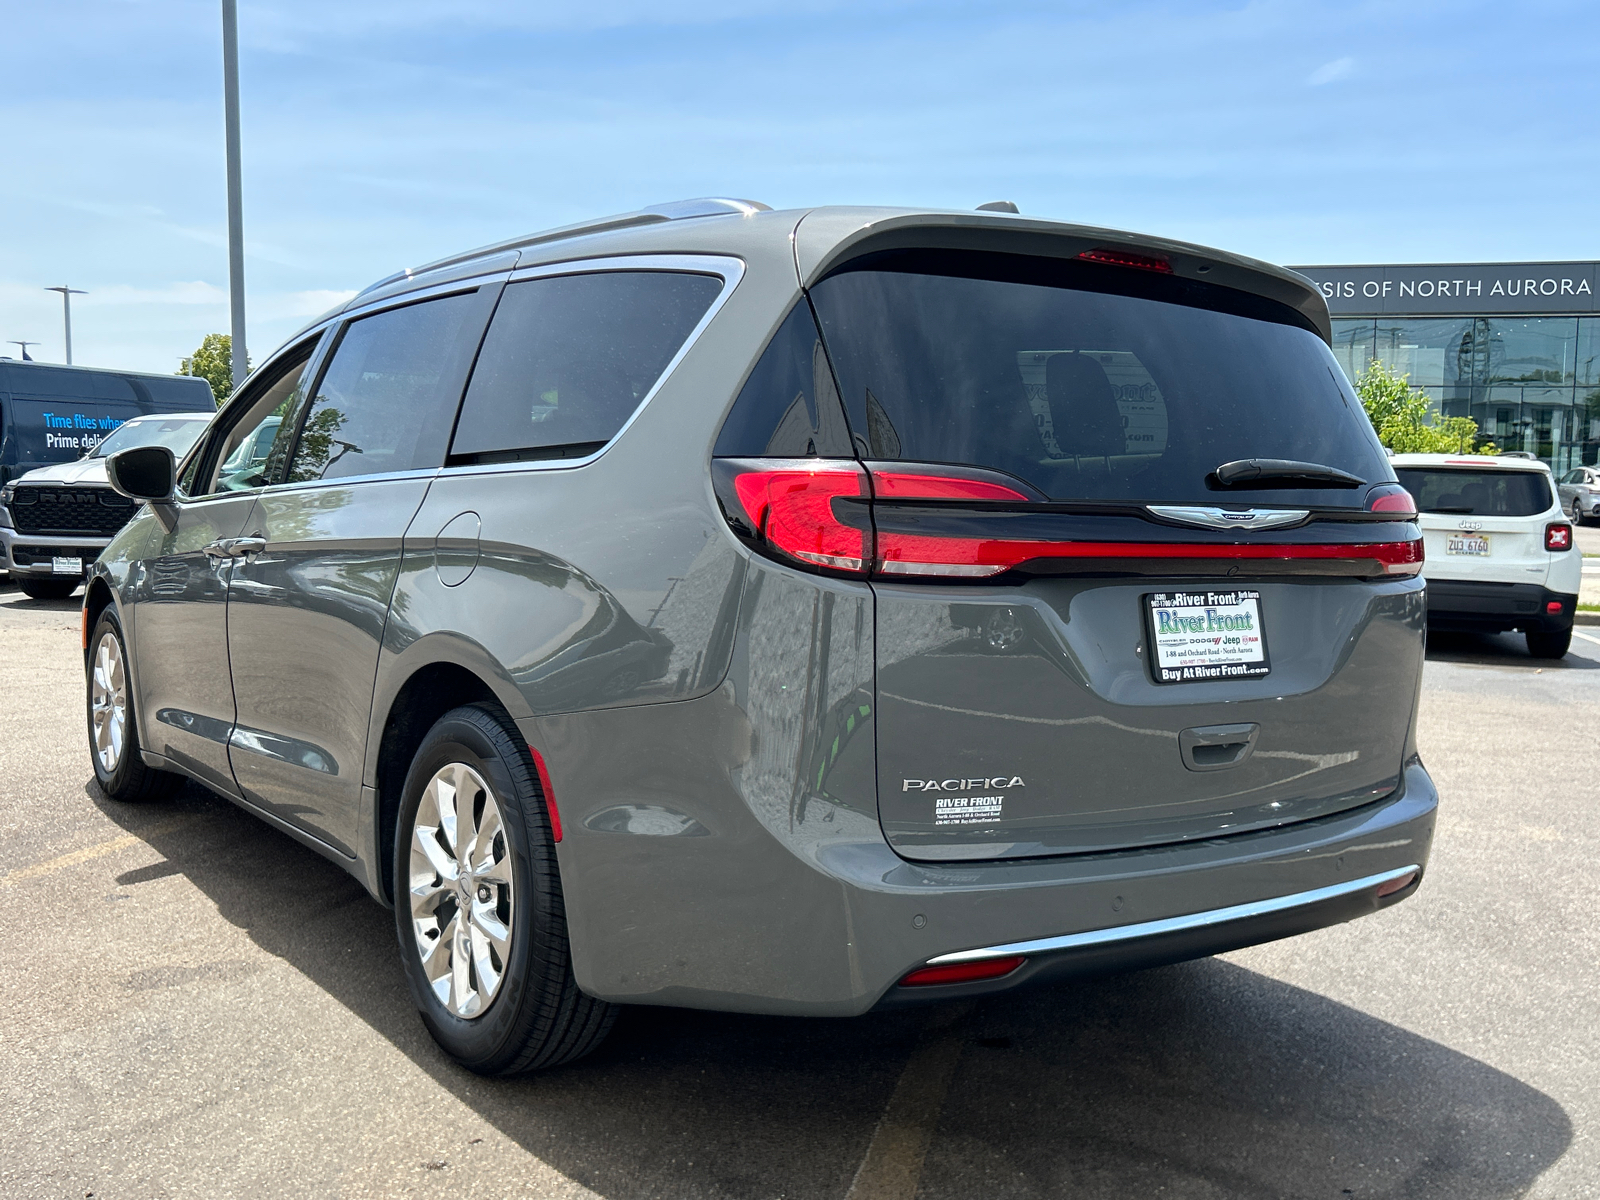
column 1588, row 637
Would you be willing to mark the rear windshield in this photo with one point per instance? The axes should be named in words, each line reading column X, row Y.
column 1032, row 368
column 1483, row 493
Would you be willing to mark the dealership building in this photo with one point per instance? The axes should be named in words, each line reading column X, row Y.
column 1515, row 346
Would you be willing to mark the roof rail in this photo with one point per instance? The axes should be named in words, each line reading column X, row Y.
column 671, row 210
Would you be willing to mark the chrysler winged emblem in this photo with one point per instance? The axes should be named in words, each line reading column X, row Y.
column 1230, row 518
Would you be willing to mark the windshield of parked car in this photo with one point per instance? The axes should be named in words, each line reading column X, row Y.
column 1478, row 492
column 178, row 434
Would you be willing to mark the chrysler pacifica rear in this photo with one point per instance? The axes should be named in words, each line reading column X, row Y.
column 790, row 612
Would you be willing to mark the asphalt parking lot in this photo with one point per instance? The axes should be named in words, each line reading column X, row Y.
column 193, row 1005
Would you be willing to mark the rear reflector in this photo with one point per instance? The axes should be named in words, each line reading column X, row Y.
column 793, row 510
column 1553, row 607
column 970, row 972
column 1557, row 536
column 1126, row 258
column 549, row 794
column 1396, row 885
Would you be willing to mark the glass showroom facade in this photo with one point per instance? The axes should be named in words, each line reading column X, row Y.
column 1514, row 346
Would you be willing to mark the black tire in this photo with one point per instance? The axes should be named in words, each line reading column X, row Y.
column 538, row 1018
column 128, row 779
column 47, row 589
column 1577, row 513
column 1549, row 645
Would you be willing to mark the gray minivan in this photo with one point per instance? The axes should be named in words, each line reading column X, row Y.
column 789, row 612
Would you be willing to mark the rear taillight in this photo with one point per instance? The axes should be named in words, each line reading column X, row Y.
column 818, row 512
column 968, row 972
column 906, row 554
column 790, row 507
column 1126, row 258
column 1558, row 536
column 1392, row 498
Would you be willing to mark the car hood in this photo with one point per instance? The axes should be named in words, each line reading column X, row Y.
column 83, row 470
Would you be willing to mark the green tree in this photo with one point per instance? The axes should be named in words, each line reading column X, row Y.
column 1401, row 415
column 213, row 362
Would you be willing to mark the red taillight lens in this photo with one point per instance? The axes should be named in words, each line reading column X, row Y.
column 793, row 510
column 1126, row 258
column 1558, row 536
column 914, row 554
column 904, row 485
column 1392, row 498
column 1554, row 607
column 969, row 972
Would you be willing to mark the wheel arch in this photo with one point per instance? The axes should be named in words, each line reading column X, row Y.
column 97, row 598
column 430, row 691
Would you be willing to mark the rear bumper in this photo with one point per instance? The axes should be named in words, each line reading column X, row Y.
column 1459, row 605
column 32, row 554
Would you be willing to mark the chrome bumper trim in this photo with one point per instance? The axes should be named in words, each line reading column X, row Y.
column 1144, row 929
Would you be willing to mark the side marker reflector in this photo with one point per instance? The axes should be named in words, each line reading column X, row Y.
column 1396, row 885
column 549, row 793
column 967, row 972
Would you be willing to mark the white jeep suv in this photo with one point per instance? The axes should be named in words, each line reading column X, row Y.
column 1500, row 551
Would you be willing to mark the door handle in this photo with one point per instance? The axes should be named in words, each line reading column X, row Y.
column 239, row 547
column 1217, row 747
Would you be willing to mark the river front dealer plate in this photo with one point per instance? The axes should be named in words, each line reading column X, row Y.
column 1205, row 635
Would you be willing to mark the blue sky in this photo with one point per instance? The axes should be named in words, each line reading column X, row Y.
column 380, row 135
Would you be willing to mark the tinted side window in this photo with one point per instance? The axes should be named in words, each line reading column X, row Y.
column 789, row 407
column 386, row 401
column 568, row 359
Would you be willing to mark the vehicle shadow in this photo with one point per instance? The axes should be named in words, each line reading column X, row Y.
column 1204, row 1079
column 1510, row 650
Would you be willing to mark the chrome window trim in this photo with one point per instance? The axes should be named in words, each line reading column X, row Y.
column 469, row 283
column 302, row 485
column 729, row 268
column 1144, row 929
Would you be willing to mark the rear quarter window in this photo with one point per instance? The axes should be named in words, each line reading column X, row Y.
column 568, row 359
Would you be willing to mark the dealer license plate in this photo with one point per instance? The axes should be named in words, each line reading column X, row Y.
column 66, row 566
column 1476, row 544
column 1205, row 635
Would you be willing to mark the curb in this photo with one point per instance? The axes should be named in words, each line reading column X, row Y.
column 1586, row 618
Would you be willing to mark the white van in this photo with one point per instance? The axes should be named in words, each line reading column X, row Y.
column 1500, row 552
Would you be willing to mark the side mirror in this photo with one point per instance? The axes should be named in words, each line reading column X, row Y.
column 148, row 474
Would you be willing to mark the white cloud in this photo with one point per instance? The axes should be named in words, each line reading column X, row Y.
column 1339, row 68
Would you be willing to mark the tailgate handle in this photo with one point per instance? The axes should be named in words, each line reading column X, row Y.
column 1217, row 747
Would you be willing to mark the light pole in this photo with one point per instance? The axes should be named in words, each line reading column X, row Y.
column 230, row 112
column 24, row 346
column 67, row 293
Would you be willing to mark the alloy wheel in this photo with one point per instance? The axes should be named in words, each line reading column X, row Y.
column 108, row 702
column 461, row 890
